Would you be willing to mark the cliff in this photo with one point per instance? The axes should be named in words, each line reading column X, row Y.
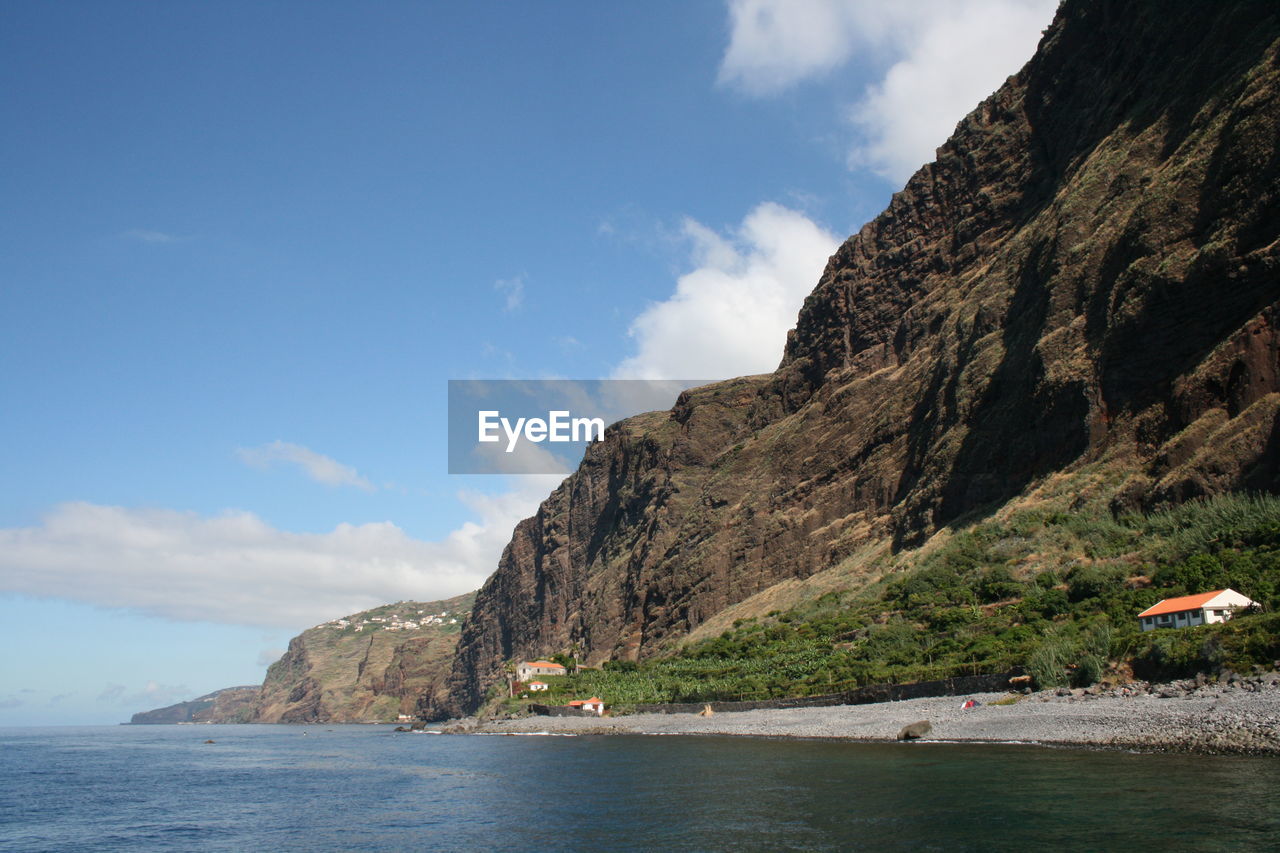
column 229, row 705
column 370, row 666
column 1086, row 277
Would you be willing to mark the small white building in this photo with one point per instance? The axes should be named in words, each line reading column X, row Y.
column 531, row 669
column 535, row 686
column 1205, row 608
column 595, row 705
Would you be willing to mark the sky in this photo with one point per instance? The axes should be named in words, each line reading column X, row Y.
column 245, row 247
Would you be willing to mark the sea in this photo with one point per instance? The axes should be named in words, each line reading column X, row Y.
column 352, row 788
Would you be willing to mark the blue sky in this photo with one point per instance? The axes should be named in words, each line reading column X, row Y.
column 245, row 246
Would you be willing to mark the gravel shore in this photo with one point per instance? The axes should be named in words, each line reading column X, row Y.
column 1241, row 716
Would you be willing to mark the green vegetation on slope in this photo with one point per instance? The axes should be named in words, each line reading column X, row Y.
column 1055, row 592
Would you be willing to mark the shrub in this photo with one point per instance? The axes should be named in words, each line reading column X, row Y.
column 1167, row 654
column 1096, row 640
column 949, row 618
column 1046, row 604
column 1048, row 663
column 1216, row 523
column 1087, row 582
column 1088, row 671
column 997, row 584
column 620, row 666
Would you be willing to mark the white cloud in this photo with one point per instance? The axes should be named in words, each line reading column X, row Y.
column 775, row 44
column 317, row 466
column 938, row 60
column 730, row 315
column 236, row 569
column 962, row 56
column 513, row 290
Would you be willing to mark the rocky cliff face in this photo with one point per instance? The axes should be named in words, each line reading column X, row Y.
column 1087, row 275
column 229, row 705
column 367, row 667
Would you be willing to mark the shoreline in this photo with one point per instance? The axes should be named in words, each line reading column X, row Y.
column 1237, row 718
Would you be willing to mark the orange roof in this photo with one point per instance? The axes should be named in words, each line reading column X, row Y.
column 1185, row 602
column 542, row 663
column 543, row 683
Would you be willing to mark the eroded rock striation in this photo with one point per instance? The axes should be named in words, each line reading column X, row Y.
column 370, row 666
column 1086, row 275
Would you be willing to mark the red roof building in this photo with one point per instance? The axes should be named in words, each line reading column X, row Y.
column 1205, row 608
column 530, row 669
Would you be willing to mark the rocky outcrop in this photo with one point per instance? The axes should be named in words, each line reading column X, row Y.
column 371, row 666
column 1090, row 262
column 229, row 705
column 368, row 667
column 1086, row 276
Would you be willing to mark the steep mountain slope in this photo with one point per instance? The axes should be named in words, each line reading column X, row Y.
column 368, row 667
column 1087, row 275
column 229, row 705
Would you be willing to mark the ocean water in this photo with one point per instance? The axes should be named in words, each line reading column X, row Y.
column 368, row 788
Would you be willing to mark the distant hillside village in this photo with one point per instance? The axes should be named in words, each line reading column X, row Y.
column 395, row 621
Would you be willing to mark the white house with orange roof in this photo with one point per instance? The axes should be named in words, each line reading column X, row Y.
column 535, row 686
column 530, row 669
column 1205, row 608
column 595, row 705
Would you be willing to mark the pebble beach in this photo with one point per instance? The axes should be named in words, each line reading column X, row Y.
column 1241, row 716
